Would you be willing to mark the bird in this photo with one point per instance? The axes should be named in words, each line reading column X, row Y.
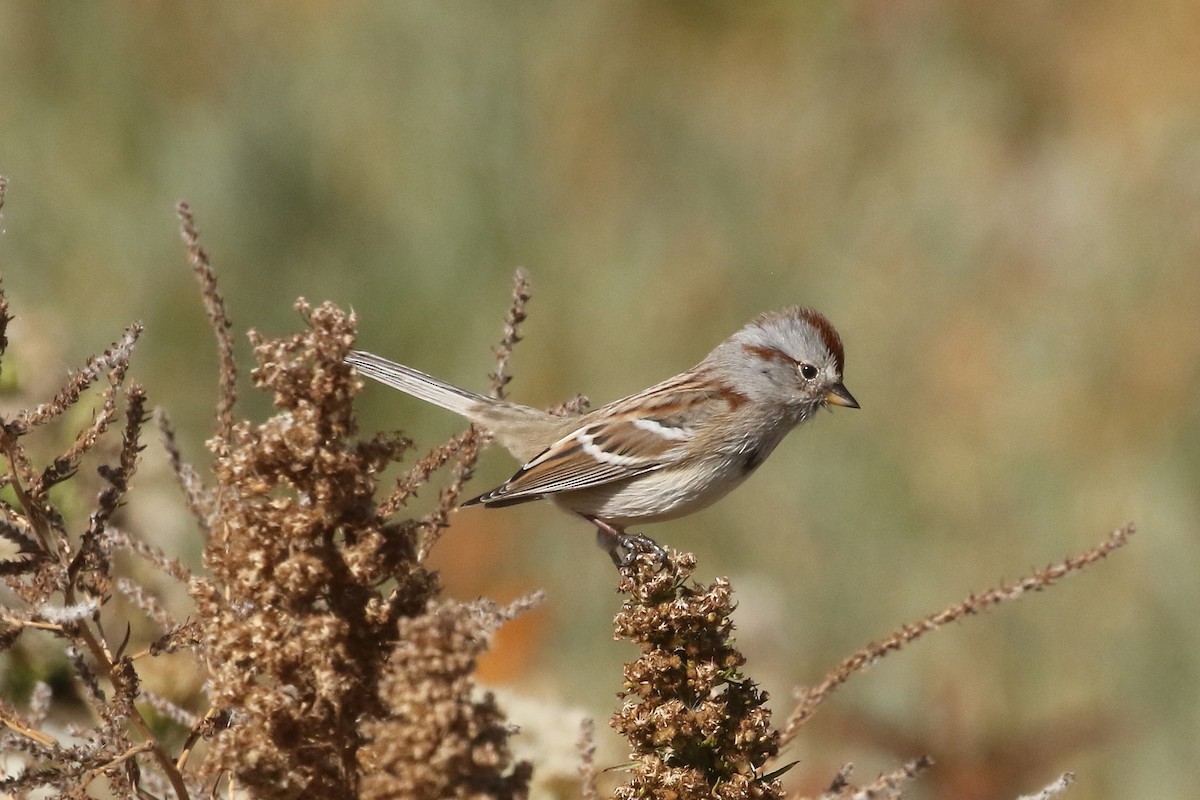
column 664, row 452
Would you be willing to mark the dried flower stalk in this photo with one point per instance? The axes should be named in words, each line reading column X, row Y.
column 62, row 579
column 697, row 726
column 810, row 699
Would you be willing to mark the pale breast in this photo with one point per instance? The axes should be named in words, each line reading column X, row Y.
column 661, row 495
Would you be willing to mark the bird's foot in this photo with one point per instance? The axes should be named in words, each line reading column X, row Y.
column 624, row 548
column 633, row 545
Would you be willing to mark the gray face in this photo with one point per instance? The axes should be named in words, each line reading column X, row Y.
column 791, row 357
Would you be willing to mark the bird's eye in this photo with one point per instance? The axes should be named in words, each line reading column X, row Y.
column 808, row 371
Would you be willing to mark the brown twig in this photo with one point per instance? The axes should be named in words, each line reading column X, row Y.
column 32, row 623
column 112, row 362
column 20, row 727
column 203, row 727
column 418, row 475
column 100, row 769
column 889, row 784
column 1052, row 789
column 512, row 333
column 103, row 658
column 810, row 699
column 435, row 522
column 94, row 640
column 214, row 304
column 196, row 494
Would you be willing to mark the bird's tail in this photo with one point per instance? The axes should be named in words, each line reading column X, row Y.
column 418, row 384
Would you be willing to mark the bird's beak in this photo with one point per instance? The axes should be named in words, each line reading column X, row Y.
column 839, row 395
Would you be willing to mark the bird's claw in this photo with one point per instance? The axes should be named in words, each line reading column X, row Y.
column 625, row 548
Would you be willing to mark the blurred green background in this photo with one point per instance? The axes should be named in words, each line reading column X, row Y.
column 997, row 204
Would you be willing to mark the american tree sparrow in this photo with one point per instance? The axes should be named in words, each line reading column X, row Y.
column 663, row 452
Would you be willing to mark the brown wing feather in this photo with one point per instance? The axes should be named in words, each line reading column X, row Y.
column 567, row 464
column 624, row 439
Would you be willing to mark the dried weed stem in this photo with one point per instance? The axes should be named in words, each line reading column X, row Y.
column 56, row 562
column 810, row 699
column 335, row 667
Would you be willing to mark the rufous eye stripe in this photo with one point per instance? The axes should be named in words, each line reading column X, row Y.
column 768, row 353
column 823, row 327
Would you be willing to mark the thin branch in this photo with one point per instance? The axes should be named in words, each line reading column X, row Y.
column 512, row 335
column 418, row 475
column 92, row 555
column 31, row 623
column 97, row 771
column 172, row 711
column 464, row 467
column 214, row 304
column 810, row 699
column 113, row 361
column 199, row 499
column 14, row 723
column 889, row 784
column 100, row 654
column 119, row 539
column 1051, row 789
column 205, row 726
column 136, row 594
column 20, row 472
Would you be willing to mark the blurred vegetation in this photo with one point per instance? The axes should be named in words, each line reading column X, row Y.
column 998, row 205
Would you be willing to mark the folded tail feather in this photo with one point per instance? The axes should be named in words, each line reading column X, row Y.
column 417, row 383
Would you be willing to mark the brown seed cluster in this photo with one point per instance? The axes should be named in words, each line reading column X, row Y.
column 321, row 627
column 58, row 581
column 335, row 667
column 437, row 742
column 697, row 726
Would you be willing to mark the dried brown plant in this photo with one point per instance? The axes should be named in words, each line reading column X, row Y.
column 335, row 665
column 61, row 580
column 697, row 726
column 865, row 658
column 339, row 669
column 891, row 784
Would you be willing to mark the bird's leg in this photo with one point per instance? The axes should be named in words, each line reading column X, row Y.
column 624, row 548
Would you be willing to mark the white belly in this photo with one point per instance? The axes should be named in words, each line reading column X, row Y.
column 664, row 494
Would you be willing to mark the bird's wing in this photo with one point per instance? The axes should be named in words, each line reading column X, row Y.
column 598, row 453
column 639, row 434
